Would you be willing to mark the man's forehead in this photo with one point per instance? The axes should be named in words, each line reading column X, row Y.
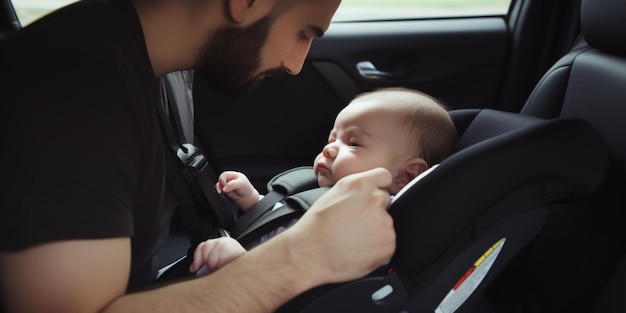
column 322, row 10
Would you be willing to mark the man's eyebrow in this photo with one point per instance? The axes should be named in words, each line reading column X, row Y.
column 318, row 31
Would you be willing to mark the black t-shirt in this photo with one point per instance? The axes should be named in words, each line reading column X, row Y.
column 81, row 148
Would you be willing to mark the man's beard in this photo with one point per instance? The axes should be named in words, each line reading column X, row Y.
column 232, row 55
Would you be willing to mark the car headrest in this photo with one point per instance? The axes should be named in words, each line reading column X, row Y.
column 603, row 24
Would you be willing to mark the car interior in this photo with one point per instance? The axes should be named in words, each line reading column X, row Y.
column 526, row 216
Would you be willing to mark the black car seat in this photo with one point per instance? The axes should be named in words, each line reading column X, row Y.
column 590, row 83
column 9, row 22
column 460, row 225
column 612, row 298
column 546, row 97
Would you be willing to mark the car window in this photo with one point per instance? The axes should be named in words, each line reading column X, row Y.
column 350, row 10
column 29, row 11
column 364, row 10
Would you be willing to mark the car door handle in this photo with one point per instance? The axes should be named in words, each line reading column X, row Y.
column 368, row 70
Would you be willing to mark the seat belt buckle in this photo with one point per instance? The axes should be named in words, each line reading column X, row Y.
column 192, row 159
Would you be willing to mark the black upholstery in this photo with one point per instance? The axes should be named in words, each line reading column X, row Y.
column 511, row 170
column 612, row 299
column 496, row 186
column 592, row 86
column 550, row 91
column 499, row 157
column 9, row 22
column 597, row 93
column 603, row 26
column 604, row 33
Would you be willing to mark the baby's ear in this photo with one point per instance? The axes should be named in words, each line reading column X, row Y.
column 412, row 168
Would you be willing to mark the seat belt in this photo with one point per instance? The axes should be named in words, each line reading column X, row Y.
column 192, row 178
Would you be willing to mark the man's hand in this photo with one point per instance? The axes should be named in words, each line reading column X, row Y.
column 347, row 233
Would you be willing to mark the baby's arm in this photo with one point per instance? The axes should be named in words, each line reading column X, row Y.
column 238, row 188
column 215, row 253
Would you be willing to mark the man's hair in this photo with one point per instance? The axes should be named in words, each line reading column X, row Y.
column 280, row 7
column 431, row 133
column 283, row 6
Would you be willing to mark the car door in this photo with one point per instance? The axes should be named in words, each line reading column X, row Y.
column 486, row 61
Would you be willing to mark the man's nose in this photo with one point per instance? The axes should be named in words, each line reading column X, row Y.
column 294, row 63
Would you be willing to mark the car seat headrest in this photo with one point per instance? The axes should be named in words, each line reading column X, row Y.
column 535, row 163
column 603, row 24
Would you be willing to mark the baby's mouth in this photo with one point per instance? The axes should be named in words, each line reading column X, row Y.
column 321, row 169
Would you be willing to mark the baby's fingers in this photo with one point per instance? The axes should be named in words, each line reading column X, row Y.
column 198, row 255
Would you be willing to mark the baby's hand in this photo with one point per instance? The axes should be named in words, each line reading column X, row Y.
column 215, row 253
column 238, row 188
column 234, row 184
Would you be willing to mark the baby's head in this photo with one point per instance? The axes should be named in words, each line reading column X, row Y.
column 402, row 130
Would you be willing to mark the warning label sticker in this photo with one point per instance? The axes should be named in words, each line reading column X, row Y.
column 470, row 280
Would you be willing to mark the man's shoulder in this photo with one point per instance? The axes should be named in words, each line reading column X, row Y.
column 85, row 28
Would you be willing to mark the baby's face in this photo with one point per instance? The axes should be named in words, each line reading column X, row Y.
column 363, row 137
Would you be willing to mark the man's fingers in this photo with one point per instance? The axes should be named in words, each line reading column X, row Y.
column 379, row 176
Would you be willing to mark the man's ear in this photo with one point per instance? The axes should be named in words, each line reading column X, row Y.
column 238, row 9
column 411, row 169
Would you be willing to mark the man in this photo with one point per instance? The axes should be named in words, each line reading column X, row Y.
column 85, row 206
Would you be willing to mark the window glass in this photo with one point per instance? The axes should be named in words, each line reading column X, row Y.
column 349, row 10
column 30, row 10
column 363, row 10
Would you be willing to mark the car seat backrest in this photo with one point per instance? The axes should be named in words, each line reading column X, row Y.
column 9, row 22
column 593, row 88
column 603, row 32
column 546, row 98
column 597, row 85
column 597, row 93
column 593, row 85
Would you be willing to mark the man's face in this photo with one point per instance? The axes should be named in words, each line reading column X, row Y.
column 231, row 56
column 236, row 59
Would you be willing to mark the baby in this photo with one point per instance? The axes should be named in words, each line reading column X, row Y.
column 401, row 130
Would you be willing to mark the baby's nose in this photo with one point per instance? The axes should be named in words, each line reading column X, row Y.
column 329, row 151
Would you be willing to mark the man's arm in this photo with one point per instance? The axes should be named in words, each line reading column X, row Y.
column 66, row 276
column 346, row 234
